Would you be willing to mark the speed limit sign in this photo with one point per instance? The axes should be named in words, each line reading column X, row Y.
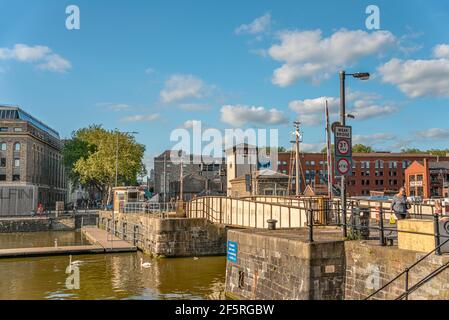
column 343, row 166
column 343, row 147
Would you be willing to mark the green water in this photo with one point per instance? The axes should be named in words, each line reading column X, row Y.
column 115, row 276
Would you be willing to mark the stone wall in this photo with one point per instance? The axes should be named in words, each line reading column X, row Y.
column 170, row 237
column 278, row 268
column 369, row 267
column 11, row 225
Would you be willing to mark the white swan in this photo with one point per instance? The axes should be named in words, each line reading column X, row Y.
column 76, row 262
column 145, row 265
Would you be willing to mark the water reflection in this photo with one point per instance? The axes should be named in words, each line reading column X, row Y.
column 118, row 276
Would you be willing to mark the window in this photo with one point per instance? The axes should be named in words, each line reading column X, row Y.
column 365, row 164
column 16, row 177
column 3, row 146
column 2, row 162
column 16, row 162
column 393, row 164
column 2, row 177
column 18, row 129
column 3, row 129
column 17, row 146
column 379, row 164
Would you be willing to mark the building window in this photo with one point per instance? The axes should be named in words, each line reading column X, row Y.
column 16, row 162
column 17, row 146
column 3, row 146
column 379, row 164
column 2, row 177
column 16, row 177
column 2, row 162
column 18, row 129
column 3, row 129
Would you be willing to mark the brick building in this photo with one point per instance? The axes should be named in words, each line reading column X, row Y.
column 371, row 171
column 30, row 155
column 427, row 179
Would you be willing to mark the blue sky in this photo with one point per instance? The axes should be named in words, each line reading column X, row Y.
column 153, row 66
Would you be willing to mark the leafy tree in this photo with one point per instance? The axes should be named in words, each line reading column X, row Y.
column 412, row 150
column 92, row 158
column 360, row 148
column 438, row 152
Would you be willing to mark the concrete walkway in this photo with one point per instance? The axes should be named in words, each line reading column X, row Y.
column 101, row 243
column 107, row 241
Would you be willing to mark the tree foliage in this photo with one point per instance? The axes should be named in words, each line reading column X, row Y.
column 360, row 148
column 91, row 154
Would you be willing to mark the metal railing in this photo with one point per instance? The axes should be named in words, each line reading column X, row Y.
column 407, row 289
column 147, row 207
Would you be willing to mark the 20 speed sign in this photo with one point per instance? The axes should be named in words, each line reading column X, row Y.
column 343, row 166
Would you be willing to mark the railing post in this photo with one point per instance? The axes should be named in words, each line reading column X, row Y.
column 310, row 225
column 381, row 227
column 437, row 234
column 406, row 283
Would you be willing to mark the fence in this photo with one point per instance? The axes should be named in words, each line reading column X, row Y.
column 146, row 207
column 255, row 214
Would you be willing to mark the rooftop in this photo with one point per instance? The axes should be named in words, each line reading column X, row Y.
column 15, row 113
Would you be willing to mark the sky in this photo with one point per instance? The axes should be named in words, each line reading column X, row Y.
column 156, row 66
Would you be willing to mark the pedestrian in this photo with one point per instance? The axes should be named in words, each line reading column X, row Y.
column 40, row 209
column 400, row 205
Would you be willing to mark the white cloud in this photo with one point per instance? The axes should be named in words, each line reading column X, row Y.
column 306, row 54
column 361, row 105
column 311, row 111
column 141, row 118
column 377, row 138
column 239, row 115
column 42, row 55
column 312, row 147
column 434, row 134
column 180, row 87
column 417, row 78
column 259, row 25
column 441, row 51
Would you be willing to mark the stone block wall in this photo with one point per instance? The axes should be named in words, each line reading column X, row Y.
column 281, row 269
column 369, row 267
column 171, row 237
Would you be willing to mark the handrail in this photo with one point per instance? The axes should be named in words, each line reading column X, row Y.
column 407, row 270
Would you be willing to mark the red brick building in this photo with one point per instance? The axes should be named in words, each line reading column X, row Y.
column 371, row 171
column 427, row 179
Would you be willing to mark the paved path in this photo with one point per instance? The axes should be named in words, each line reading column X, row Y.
column 101, row 243
column 110, row 244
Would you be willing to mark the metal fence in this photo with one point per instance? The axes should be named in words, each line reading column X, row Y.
column 147, row 207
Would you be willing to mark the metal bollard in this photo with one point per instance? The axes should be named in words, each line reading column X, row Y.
column 272, row 224
column 310, row 211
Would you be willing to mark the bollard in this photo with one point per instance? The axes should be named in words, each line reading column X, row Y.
column 310, row 211
column 437, row 234
column 272, row 224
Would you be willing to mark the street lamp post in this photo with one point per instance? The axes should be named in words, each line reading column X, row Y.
column 343, row 115
column 116, row 172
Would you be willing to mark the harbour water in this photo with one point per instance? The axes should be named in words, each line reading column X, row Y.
column 105, row 277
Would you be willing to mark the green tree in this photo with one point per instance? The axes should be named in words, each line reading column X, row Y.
column 92, row 158
column 412, row 150
column 360, row 148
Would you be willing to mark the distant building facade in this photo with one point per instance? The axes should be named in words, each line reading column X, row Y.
column 262, row 182
column 381, row 172
column 427, row 179
column 168, row 170
column 30, row 155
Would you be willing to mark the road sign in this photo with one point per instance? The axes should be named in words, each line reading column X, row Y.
column 232, row 251
column 343, row 166
column 343, row 150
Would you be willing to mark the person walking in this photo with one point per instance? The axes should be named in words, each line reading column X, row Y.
column 400, row 205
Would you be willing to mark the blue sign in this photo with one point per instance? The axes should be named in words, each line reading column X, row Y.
column 232, row 251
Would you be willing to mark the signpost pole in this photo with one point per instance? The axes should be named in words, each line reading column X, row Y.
column 343, row 123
